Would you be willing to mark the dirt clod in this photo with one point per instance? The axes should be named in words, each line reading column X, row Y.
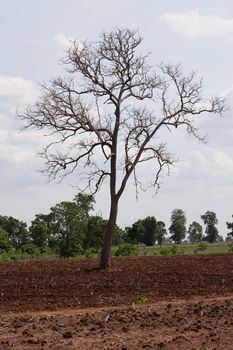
column 71, row 304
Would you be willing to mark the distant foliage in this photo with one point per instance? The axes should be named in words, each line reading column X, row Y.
column 195, row 232
column 30, row 249
column 174, row 249
column 70, row 230
column 147, row 231
column 150, row 233
column 39, row 232
column 230, row 227
column 177, row 228
column 230, row 247
column 164, row 251
column 201, row 247
column 5, row 244
column 126, row 250
column 69, row 222
column 161, row 232
column 16, row 230
column 210, row 220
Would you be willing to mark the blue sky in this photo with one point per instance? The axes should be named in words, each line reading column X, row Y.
column 34, row 35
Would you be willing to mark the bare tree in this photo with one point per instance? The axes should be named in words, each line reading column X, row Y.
column 108, row 115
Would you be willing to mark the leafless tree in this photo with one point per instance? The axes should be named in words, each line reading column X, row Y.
column 108, row 115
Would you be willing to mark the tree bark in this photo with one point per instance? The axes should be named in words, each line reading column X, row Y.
column 107, row 246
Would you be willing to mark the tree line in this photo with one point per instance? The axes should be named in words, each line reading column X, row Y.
column 149, row 231
column 69, row 230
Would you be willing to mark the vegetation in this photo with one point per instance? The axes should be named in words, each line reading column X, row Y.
column 101, row 109
column 177, row 228
column 195, row 232
column 161, row 232
column 32, row 252
column 147, row 231
column 69, row 230
column 182, row 248
column 16, row 230
column 142, row 300
column 126, row 250
column 230, row 227
column 201, row 247
column 210, row 220
column 6, row 245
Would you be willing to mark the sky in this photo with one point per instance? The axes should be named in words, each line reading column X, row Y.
column 198, row 34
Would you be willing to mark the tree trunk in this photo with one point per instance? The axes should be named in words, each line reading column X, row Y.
column 107, row 246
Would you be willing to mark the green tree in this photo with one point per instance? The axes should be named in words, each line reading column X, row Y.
column 69, row 222
column 94, row 236
column 17, row 231
column 150, row 233
column 177, row 228
column 65, row 228
column 142, row 231
column 230, row 227
column 42, row 233
column 39, row 232
column 112, row 140
column 95, row 232
column 5, row 244
column 195, row 232
column 119, row 236
column 210, row 220
column 161, row 232
column 135, row 233
column 178, row 214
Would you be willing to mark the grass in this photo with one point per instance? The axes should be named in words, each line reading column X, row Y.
column 183, row 248
column 16, row 255
column 137, row 250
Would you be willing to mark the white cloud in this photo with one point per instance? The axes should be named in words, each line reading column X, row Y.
column 15, row 91
column 63, row 41
column 227, row 92
column 3, row 135
column 210, row 163
column 16, row 148
column 20, row 148
column 15, row 155
column 192, row 24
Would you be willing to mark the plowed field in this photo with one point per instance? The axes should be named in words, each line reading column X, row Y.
column 178, row 302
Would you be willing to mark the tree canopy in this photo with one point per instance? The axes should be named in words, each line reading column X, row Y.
column 210, row 220
column 177, row 228
column 195, row 232
column 230, row 227
column 148, row 231
column 16, row 230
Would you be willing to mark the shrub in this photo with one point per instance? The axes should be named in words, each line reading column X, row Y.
column 30, row 249
column 126, row 250
column 5, row 245
column 164, row 251
column 12, row 256
column 69, row 248
column 201, row 247
column 92, row 252
column 174, row 249
column 230, row 247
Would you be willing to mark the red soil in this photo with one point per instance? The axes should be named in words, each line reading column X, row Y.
column 70, row 304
